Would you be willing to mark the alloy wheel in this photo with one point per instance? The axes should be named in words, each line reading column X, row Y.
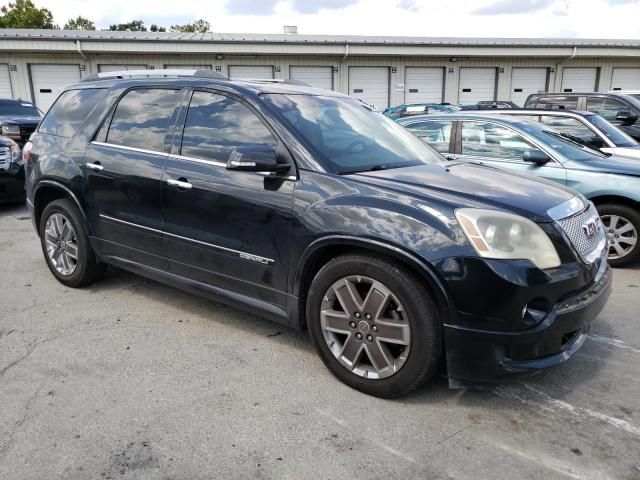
column 61, row 244
column 366, row 327
column 622, row 235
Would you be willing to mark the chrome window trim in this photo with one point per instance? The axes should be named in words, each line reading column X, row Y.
column 131, row 149
column 224, row 165
column 239, row 253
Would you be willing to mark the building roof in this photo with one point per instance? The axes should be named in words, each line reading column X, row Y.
column 107, row 35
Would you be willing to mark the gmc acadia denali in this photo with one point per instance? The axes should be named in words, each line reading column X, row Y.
column 307, row 208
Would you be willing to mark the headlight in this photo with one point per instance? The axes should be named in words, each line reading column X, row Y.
column 10, row 130
column 502, row 235
column 16, row 154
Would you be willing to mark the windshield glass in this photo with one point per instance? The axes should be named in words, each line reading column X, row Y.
column 18, row 109
column 635, row 95
column 617, row 136
column 347, row 137
column 570, row 149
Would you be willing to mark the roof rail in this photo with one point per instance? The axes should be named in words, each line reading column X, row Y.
column 287, row 81
column 156, row 73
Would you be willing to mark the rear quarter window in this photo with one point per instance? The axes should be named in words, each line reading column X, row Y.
column 68, row 115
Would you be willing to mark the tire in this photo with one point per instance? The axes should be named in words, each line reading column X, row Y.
column 86, row 269
column 628, row 217
column 414, row 364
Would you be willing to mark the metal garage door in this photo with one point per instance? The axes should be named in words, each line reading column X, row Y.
column 525, row 81
column 119, row 68
column 251, row 71
column 477, row 84
column 5, row 82
column 48, row 81
column 579, row 79
column 188, row 67
column 625, row 79
column 423, row 85
column 371, row 85
column 319, row 77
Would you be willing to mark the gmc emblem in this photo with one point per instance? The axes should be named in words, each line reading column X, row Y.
column 590, row 228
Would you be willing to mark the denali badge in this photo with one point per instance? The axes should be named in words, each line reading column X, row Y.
column 590, row 228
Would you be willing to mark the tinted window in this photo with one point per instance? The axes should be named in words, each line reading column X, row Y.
column 558, row 102
column 607, row 108
column 617, row 136
column 68, row 115
column 348, row 137
column 142, row 117
column 490, row 140
column 216, row 125
column 18, row 108
column 436, row 134
column 573, row 127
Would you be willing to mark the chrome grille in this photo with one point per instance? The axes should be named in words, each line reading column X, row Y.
column 5, row 158
column 576, row 228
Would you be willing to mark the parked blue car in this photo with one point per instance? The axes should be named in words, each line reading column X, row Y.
column 413, row 109
column 611, row 182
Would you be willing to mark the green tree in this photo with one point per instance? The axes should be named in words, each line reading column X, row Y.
column 156, row 28
column 24, row 14
column 132, row 26
column 79, row 23
column 199, row 26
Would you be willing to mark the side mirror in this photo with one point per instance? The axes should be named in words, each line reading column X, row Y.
column 536, row 156
column 255, row 158
column 626, row 117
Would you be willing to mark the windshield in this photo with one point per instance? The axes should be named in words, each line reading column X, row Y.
column 347, row 137
column 617, row 136
column 568, row 148
column 18, row 109
column 635, row 95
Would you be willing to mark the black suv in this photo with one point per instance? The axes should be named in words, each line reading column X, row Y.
column 18, row 119
column 307, row 208
column 621, row 109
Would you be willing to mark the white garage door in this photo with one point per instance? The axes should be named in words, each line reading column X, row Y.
column 625, row 79
column 477, row 84
column 250, row 71
column 5, row 82
column 188, row 67
column 371, row 85
column 120, row 68
column 318, row 77
column 578, row 80
column 525, row 81
column 49, row 80
column 423, row 85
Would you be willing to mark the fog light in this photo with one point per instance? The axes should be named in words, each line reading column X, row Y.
column 534, row 312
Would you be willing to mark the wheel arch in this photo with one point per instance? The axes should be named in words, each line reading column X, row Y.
column 45, row 192
column 323, row 250
column 617, row 199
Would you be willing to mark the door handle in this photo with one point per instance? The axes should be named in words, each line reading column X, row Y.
column 94, row 166
column 181, row 184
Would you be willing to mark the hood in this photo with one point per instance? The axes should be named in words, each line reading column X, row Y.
column 30, row 121
column 475, row 185
column 620, row 164
column 629, row 152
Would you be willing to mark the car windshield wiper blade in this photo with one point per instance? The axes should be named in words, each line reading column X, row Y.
column 573, row 139
column 374, row 168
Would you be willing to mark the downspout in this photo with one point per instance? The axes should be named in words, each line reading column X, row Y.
column 571, row 57
column 79, row 48
column 346, row 51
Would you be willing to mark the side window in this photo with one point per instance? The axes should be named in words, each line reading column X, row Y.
column 216, row 125
column 573, row 127
column 606, row 107
column 494, row 141
column 67, row 116
column 559, row 102
column 142, row 118
column 436, row 134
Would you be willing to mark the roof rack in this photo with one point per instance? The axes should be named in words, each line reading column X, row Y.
column 287, row 81
column 156, row 73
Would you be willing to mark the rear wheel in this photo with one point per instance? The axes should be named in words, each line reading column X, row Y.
column 622, row 227
column 66, row 246
column 374, row 324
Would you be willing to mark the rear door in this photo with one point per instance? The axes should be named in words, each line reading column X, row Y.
column 123, row 174
column 227, row 228
column 493, row 144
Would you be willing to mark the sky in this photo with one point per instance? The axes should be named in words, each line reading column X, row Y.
column 431, row 18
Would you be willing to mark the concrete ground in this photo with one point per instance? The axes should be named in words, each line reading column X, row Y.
column 132, row 379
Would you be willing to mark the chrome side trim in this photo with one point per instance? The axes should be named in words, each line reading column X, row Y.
column 567, row 209
column 224, row 165
column 131, row 149
column 240, row 254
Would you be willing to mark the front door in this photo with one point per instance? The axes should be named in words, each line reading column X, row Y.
column 229, row 229
column 123, row 176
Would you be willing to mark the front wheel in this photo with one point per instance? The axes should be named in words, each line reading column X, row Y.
column 622, row 226
column 374, row 324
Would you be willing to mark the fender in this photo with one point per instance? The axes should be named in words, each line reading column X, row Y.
column 423, row 267
column 69, row 193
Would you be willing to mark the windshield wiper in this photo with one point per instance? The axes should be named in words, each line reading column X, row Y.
column 374, row 168
column 577, row 140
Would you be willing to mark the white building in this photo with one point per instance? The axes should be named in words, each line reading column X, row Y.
column 37, row 64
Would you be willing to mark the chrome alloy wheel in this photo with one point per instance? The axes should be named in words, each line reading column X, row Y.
column 622, row 236
column 61, row 243
column 365, row 327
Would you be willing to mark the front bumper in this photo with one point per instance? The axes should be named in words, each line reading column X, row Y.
column 12, row 185
column 487, row 356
